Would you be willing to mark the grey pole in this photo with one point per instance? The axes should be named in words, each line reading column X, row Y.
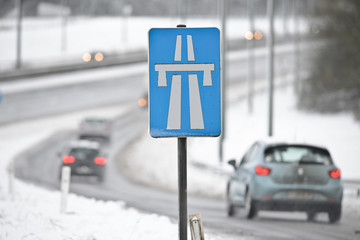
column 19, row 33
column 223, row 76
column 64, row 14
column 182, row 10
column 182, row 181
column 270, row 44
column 182, row 187
column 251, row 45
column 296, row 43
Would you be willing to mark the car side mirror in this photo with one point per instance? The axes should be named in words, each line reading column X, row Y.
column 232, row 162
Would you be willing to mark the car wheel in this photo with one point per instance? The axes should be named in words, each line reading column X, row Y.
column 230, row 208
column 250, row 210
column 335, row 214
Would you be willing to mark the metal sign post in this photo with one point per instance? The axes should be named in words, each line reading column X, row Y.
column 182, row 187
column 184, row 93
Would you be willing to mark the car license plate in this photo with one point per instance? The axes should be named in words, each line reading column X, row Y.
column 300, row 195
column 83, row 169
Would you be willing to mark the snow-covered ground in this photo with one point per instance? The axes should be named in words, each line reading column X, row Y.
column 42, row 37
column 34, row 213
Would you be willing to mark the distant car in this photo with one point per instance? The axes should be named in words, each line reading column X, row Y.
column 285, row 177
column 97, row 56
column 95, row 128
column 85, row 158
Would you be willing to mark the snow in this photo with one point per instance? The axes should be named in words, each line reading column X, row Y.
column 32, row 212
column 42, row 37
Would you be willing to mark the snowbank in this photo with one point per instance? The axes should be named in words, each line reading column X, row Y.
column 34, row 213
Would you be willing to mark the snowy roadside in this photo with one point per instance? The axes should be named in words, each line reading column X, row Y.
column 34, row 213
column 153, row 159
column 42, row 36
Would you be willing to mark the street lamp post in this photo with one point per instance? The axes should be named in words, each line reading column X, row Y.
column 270, row 44
column 224, row 9
column 19, row 4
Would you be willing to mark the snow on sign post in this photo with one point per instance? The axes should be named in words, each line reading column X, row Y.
column 184, row 92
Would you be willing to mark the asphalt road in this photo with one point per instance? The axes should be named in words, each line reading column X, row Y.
column 40, row 164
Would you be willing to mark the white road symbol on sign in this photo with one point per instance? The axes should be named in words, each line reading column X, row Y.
column 174, row 114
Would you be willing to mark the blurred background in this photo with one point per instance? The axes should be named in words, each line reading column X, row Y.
column 291, row 70
column 60, row 32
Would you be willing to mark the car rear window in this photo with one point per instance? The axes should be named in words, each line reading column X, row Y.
column 83, row 153
column 300, row 154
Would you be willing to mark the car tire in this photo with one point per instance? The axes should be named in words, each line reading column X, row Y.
column 230, row 208
column 250, row 210
column 335, row 214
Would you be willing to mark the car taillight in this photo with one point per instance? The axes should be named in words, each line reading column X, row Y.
column 335, row 173
column 262, row 170
column 100, row 161
column 68, row 159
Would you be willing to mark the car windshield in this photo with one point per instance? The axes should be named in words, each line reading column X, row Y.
column 300, row 154
column 83, row 153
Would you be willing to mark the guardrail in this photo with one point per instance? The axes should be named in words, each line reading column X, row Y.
column 130, row 57
column 70, row 66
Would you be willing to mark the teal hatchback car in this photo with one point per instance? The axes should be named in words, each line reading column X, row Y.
column 280, row 176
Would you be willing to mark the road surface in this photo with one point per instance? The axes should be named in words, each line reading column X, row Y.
column 41, row 164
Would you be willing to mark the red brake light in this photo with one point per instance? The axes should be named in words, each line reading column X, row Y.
column 68, row 159
column 335, row 173
column 262, row 170
column 100, row 161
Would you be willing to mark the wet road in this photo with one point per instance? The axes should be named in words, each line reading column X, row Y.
column 41, row 164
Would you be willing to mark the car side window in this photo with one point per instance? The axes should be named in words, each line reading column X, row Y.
column 250, row 154
column 253, row 153
column 243, row 160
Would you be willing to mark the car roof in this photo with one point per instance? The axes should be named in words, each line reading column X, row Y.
column 85, row 144
column 268, row 142
column 95, row 119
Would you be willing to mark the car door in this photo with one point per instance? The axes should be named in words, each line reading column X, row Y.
column 241, row 176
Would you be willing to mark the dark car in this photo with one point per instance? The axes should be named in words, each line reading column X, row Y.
column 95, row 128
column 85, row 158
column 280, row 176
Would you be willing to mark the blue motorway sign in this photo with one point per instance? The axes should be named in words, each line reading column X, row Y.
column 184, row 88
